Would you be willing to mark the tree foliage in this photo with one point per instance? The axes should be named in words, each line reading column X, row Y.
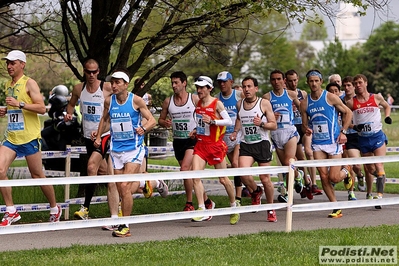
column 314, row 31
column 336, row 59
column 381, row 59
column 148, row 37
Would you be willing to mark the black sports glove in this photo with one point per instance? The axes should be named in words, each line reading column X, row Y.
column 388, row 120
column 359, row 127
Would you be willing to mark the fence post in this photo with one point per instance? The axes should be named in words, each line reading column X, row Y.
column 290, row 187
column 67, row 174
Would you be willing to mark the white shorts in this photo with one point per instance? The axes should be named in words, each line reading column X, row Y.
column 119, row 159
column 330, row 149
column 231, row 144
column 281, row 136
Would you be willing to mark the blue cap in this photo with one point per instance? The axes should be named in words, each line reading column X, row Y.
column 224, row 76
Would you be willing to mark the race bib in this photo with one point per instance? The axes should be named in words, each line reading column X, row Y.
column 251, row 133
column 202, row 127
column 15, row 120
column 320, row 130
column 180, row 128
column 122, row 128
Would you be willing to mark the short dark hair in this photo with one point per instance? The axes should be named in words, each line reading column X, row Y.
column 347, row 79
column 254, row 80
column 180, row 75
column 277, row 71
column 291, row 72
column 360, row 76
column 332, row 84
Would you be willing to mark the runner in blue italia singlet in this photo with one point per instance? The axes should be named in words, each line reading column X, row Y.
column 124, row 119
column 324, row 120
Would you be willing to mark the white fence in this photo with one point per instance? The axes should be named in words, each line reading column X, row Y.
column 272, row 170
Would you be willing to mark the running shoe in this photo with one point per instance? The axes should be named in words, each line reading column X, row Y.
column 110, row 227
column 303, row 193
column 361, row 186
column 348, row 178
column 298, row 182
column 188, row 207
column 235, row 217
column 122, row 231
column 256, row 196
column 369, row 196
column 210, row 205
column 163, row 189
column 378, row 207
column 55, row 218
column 282, row 198
column 335, row 214
column 245, row 192
column 271, row 216
column 200, row 219
column 316, row 190
column 147, row 189
column 351, row 195
column 307, row 190
column 82, row 213
column 10, row 218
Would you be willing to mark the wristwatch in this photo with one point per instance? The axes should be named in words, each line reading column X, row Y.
column 344, row 131
column 21, row 105
column 262, row 124
column 145, row 130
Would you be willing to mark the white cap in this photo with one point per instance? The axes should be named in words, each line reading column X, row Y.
column 15, row 55
column 119, row 75
column 203, row 81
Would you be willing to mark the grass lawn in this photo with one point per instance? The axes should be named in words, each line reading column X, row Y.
column 267, row 248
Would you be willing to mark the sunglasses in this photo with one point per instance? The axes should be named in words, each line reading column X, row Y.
column 89, row 72
column 200, row 79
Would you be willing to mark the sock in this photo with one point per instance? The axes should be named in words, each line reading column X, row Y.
column 346, row 171
column 233, row 204
column 54, row 210
column 202, row 206
column 157, row 185
column 11, row 209
column 142, row 184
column 380, row 184
column 189, row 202
column 114, row 216
column 238, row 198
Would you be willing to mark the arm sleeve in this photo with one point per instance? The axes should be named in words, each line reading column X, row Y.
column 226, row 121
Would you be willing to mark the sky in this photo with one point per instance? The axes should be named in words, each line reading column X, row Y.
column 371, row 21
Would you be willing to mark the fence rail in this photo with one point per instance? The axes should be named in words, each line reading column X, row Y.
column 272, row 170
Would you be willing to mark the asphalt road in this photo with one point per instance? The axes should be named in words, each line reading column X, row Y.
column 218, row 227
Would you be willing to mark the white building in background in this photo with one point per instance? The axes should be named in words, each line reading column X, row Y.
column 347, row 28
column 347, row 23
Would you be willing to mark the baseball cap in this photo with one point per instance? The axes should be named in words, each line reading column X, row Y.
column 225, row 76
column 15, row 55
column 203, row 81
column 118, row 75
